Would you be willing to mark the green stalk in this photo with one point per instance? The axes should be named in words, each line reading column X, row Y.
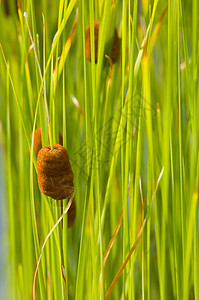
column 132, row 86
column 176, row 258
column 180, row 159
column 94, row 117
column 10, row 190
column 81, row 257
column 65, row 220
column 165, row 149
column 150, row 163
column 95, row 102
column 124, row 160
column 196, row 249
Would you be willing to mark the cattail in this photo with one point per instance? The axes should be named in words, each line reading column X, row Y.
column 38, row 140
column 88, row 41
column 55, row 176
column 115, row 51
column 37, row 144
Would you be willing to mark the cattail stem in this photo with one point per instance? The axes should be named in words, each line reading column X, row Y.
column 50, row 135
column 40, row 73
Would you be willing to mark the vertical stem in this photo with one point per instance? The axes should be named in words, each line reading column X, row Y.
column 124, row 165
column 10, row 190
column 40, row 73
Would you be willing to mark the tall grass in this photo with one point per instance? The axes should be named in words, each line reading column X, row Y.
column 132, row 133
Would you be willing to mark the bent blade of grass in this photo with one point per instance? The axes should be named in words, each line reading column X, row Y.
column 57, row 280
column 145, row 41
column 57, row 290
column 46, row 239
column 110, row 245
column 155, row 32
column 55, row 42
column 106, row 254
column 46, row 111
column 33, row 215
column 60, row 65
column 125, row 262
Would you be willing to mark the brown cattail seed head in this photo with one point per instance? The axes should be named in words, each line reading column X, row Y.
column 37, row 145
column 55, row 176
column 88, row 41
column 115, row 51
column 72, row 214
column 38, row 140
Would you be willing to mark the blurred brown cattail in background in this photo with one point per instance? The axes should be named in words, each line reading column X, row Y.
column 38, row 140
column 115, row 50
